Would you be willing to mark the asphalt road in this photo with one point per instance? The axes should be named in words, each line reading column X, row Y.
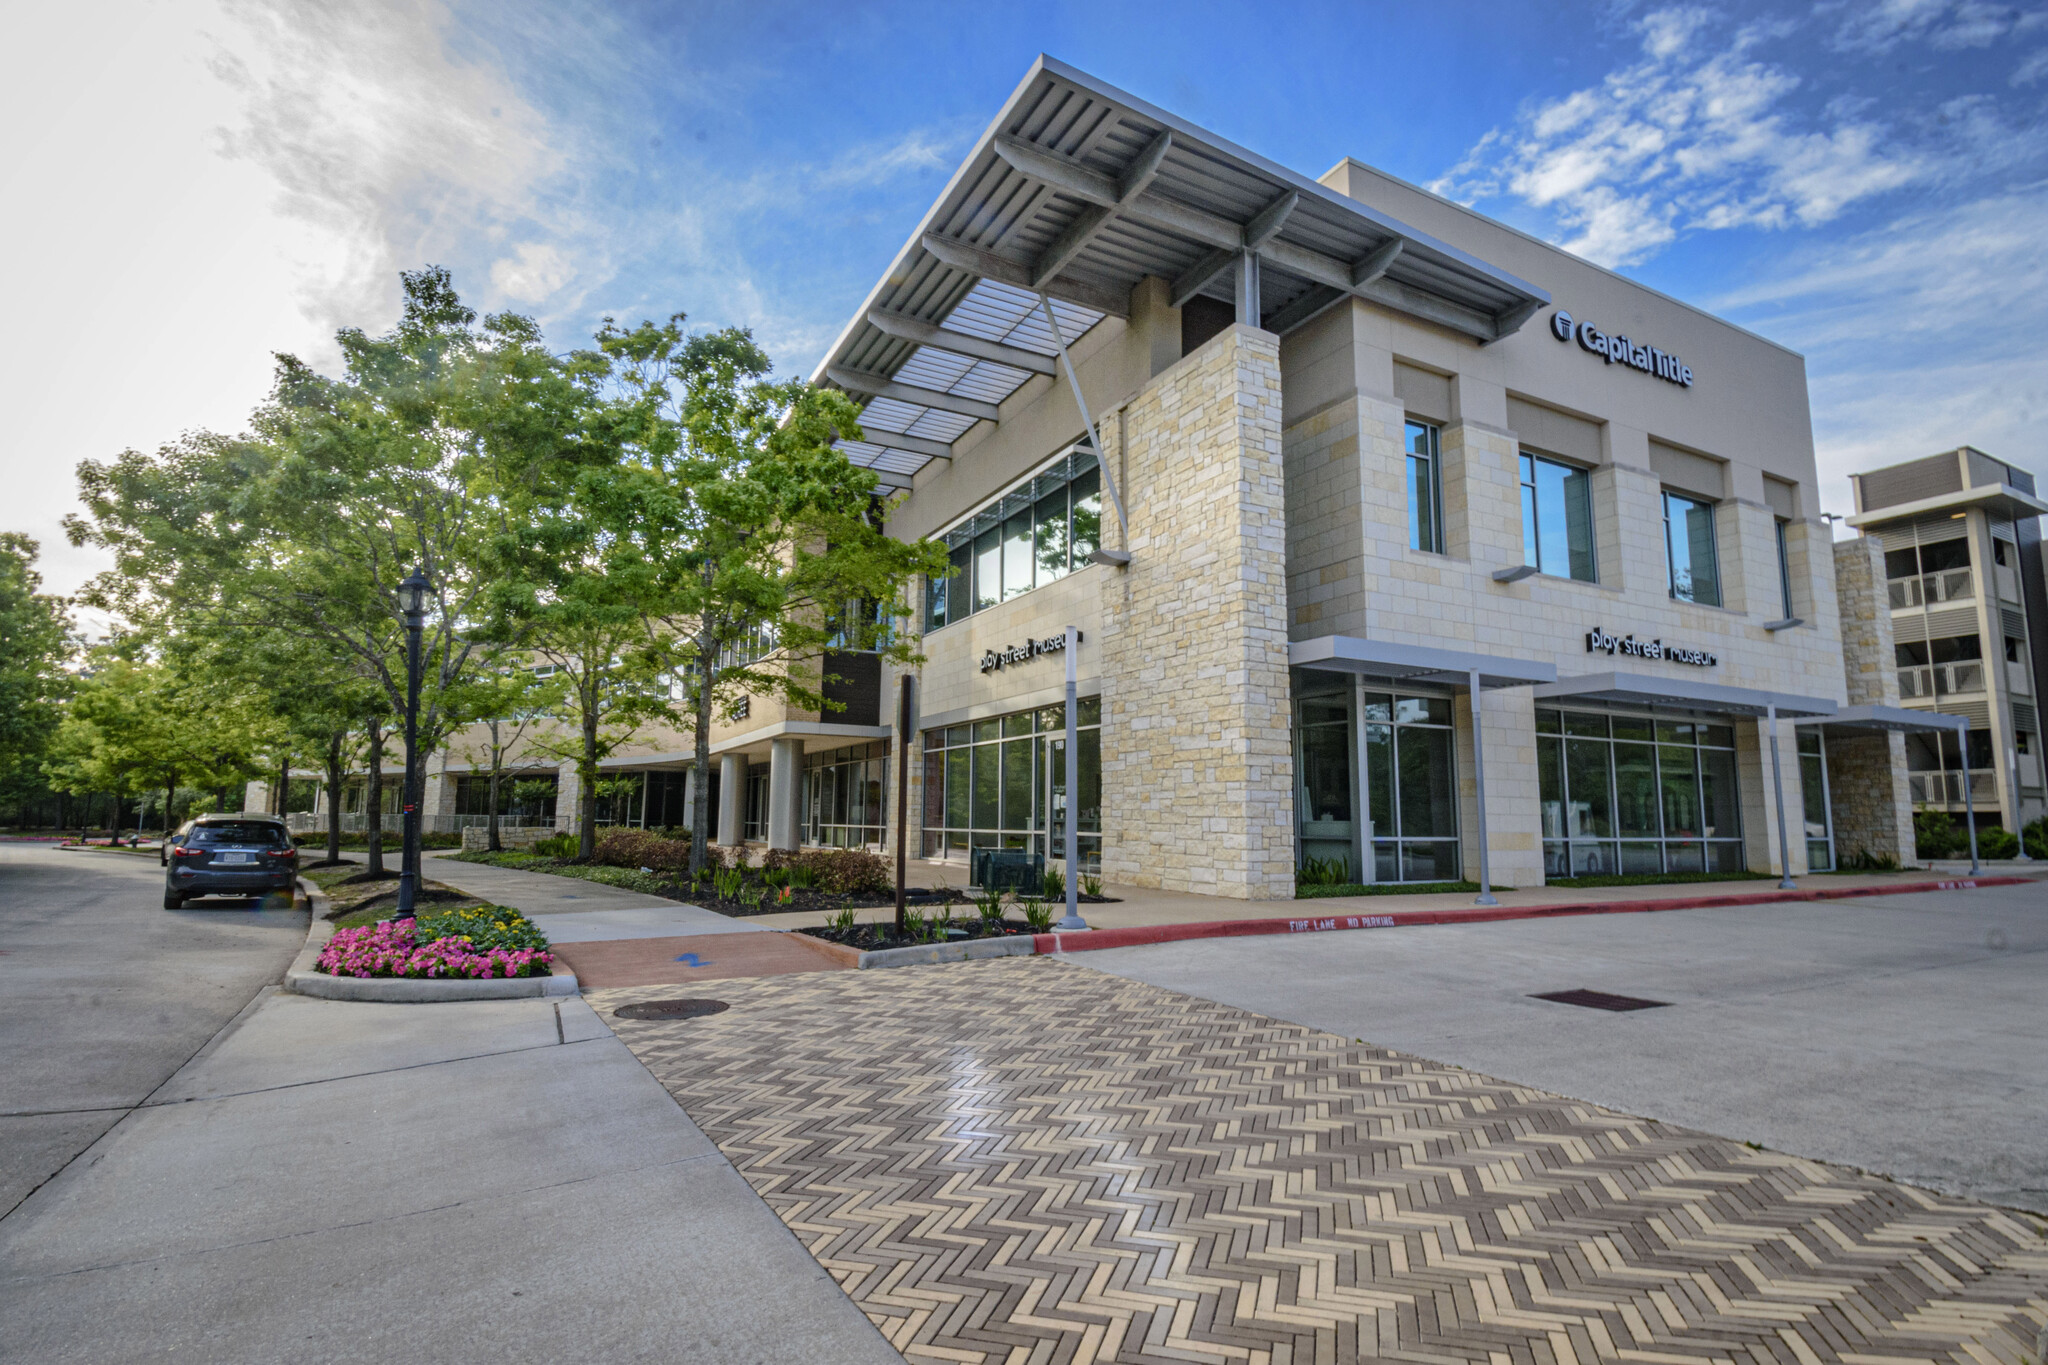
column 104, row 994
column 1904, row 1035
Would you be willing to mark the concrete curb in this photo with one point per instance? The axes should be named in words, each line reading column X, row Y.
column 305, row 978
column 1013, row 945
column 1139, row 935
column 923, row 954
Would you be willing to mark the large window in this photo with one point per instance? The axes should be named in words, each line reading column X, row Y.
column 1691, row 567
column 1037, row 533
column 1557, row 518
column 1632, row 794
column 1409, row 801
column 843, row 794
column 1002, row 783
column 1425, row 488
column 1813, row 787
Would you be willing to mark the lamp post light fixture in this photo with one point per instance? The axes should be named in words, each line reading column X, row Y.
column 412, row 602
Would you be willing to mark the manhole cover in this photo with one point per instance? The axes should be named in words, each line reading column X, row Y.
column 1601, row 1000
column 671, row 1009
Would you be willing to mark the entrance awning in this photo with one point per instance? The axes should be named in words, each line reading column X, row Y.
column 1871, row 718
column 1393, row 663
column 1681, row 694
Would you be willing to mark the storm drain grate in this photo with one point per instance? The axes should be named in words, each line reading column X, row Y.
column 671, row 1009
column 1601, row 1000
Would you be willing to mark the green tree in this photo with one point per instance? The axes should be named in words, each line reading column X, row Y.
column 767, row 541
column 35, row 644
column 305, row 527
column 521, row 700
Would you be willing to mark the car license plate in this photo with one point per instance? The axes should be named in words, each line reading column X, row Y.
column 238, row 857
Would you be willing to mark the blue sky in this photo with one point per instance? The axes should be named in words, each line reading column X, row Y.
column 214, row 180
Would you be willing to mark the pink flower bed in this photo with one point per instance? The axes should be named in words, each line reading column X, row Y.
column 387, row 949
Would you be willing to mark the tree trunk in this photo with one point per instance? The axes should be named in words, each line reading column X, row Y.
column 284, row 783
column 334, row 777
column 497, row 775
column 586, row 842
column 170, row 794
column 373, row 801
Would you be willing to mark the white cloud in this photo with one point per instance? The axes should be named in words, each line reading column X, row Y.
column 2033, row 68
column 1920, row 336
column 1944, row 25
column 532, row 274
column 1689, row 137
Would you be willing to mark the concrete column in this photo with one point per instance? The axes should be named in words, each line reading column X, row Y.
column 732, row 800
column 568, row 799
column 785, row 779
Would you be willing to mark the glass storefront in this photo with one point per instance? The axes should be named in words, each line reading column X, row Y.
column 1002, row 783
column 843, row 795
column 1636, row 794
column 1403, row 823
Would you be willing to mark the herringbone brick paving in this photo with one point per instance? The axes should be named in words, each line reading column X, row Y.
column 1028, row 1161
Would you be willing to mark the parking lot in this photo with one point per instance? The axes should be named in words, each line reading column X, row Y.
column 1904, row 1035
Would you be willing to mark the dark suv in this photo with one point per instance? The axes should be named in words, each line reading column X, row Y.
column 229, row 855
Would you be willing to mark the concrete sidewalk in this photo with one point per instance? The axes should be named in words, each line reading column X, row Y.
column 496, row 1181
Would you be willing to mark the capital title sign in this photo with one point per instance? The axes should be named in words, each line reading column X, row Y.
column 1024, row 653
column 1620, row 350
column 1599, row 641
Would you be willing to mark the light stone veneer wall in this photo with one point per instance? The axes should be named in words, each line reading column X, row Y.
column 1197, row 754
column 1871, row 799
column 1351, row 571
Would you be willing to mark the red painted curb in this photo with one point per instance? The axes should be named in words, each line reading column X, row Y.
column 1136, row 935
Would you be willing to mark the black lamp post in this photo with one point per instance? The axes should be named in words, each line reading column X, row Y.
column 412, row 600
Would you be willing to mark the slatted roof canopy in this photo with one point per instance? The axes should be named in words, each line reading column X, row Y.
column 1080, row 190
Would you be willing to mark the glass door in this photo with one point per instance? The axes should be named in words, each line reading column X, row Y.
column 1325, row 792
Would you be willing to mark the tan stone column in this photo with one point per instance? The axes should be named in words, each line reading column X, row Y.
column 1197, row 749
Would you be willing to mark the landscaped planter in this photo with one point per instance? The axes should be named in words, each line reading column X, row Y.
column 359, row 951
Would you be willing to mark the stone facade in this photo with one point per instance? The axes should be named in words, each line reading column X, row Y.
column 1197, row 752
column 1870, row 798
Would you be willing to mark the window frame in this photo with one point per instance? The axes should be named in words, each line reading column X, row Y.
column 960, row 594
column 1713, row 549
column 1532, row 515
column 1784, row 525
column 1432, row 463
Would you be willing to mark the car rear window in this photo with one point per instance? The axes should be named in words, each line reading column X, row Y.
column 240, row 832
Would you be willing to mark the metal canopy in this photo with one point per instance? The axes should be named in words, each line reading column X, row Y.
column 1637, row 689
column 1871, row 718
column 1394, row 663
column 1080, row 190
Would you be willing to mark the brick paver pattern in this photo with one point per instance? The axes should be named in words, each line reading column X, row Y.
column 1025, row 1160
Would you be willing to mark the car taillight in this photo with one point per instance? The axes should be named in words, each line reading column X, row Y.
column 188, row 853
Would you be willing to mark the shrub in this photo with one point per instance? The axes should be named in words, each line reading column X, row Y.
column 1054, row 887
column 2037, row 838
column 1038, row 915
column 990, row 906
column 563, row 845
column 1863, row 860
column 642, row 848
column 1935, row 835
column 483, row 927
column 1996, row 841
column 1322, row 872
column 840, row 871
